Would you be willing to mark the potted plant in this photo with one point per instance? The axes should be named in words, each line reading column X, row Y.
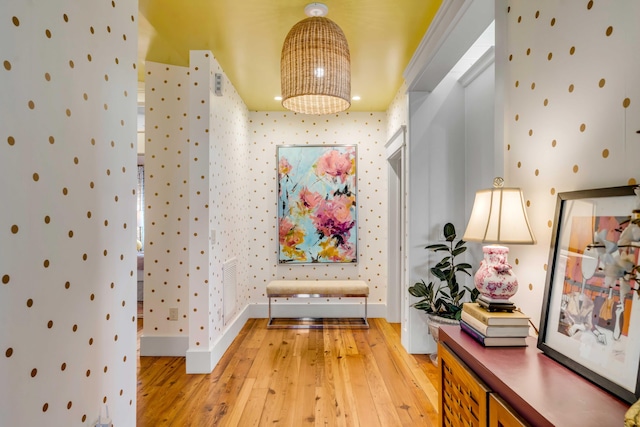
column 442, row 299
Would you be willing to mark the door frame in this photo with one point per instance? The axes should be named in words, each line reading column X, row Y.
column 397, row 228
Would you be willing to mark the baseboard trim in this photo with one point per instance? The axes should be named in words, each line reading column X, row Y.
column 203, row 362
column 163, row 345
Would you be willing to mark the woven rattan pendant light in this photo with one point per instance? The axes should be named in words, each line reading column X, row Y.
column 315, row 65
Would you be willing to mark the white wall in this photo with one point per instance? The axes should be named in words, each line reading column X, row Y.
column 270, row 129
column 453, row 160
column 481, row 165
column 195, row 169
column 166, row 269
column 210, row 169
column 68, row 222
column 219, row 139
column 436, row 187
column 451, row 141
column 566, row 69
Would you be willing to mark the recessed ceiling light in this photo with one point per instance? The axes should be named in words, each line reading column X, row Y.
column 278, row 98
column 356, row 98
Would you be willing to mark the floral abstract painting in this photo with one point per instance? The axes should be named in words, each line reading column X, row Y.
column 317, row 221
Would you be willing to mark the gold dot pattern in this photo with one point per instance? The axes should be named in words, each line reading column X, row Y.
column 167, row 209
column 370, row 133
column 45, row 155
column 220, row 145
column 571, row 141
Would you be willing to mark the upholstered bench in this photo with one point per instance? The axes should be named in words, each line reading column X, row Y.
column 318, row 289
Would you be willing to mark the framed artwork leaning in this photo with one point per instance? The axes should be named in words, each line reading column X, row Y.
column 590, row 319
column 317, row 204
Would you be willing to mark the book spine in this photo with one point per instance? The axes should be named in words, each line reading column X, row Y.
column 474, row 323
column 493, row 319
column 475, row 312
column 472, row 332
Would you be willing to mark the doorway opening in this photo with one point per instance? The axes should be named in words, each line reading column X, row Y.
column 397, row 226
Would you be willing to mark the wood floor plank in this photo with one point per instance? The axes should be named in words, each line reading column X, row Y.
column 238, row 409
column 349, row 341
column 350, row 399
column 396, row 374
column 294, row 377
column 267, row 358
column 225, row 389
column 418, row 369
column 365, row 404
column 330, row 393
column 388, row 378
column 304, row 414
column 283, row 373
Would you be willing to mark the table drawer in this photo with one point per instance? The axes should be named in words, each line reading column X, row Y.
column 464, row 398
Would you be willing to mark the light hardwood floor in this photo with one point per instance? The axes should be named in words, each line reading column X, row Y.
column 295, row 377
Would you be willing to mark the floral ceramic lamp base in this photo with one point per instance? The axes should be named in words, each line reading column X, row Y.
column 495, row 279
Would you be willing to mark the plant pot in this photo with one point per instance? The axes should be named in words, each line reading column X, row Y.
column 434, row 323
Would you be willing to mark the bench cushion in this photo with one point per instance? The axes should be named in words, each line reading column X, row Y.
column 283, row 288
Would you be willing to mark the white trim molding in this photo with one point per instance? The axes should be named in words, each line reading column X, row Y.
column 164, row 345
column 455, row 27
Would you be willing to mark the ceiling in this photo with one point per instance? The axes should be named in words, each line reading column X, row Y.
column 246, row 38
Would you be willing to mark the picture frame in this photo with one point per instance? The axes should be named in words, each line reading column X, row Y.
column 590, row 320
column 317, row 204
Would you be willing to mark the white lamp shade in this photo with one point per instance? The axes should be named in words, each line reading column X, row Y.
column 499, row 216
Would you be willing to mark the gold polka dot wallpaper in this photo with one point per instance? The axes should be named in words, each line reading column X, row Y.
column 67, row 227
column 211, row 196
column 577, row 128
column 570, row 75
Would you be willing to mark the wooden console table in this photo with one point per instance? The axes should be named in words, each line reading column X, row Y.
column 539, row 390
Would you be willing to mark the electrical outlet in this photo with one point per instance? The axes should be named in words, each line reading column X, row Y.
column 173, row 314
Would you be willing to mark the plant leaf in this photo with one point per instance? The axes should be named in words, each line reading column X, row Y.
column 444, row 263
column 445, row 298
column 458, row 251
column 449, row 232
column 437, row 247
column 438, row 273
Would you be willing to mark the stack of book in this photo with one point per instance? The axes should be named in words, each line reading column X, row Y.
column 495, row 328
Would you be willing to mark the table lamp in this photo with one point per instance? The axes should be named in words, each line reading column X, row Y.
column 498, row 217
